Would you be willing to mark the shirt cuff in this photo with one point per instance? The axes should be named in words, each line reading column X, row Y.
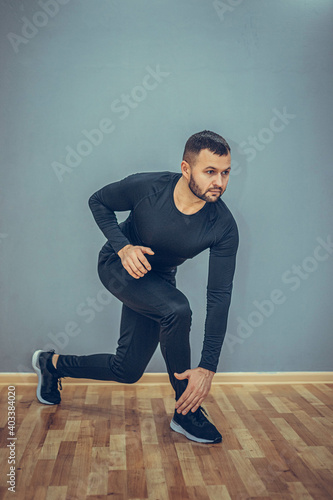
column 119, row 245
column 207, row 366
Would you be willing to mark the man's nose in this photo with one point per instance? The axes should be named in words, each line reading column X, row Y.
column 218, row 181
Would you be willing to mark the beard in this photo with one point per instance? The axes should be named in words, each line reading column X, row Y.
column 203, row 195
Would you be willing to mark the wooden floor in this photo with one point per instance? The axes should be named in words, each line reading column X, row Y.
column 115, row 442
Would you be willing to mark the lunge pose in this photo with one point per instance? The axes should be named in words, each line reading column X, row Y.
column 173, row 217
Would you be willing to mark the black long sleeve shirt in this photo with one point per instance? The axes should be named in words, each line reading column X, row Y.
column 155, row 221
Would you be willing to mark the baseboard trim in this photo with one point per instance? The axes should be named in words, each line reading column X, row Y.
column 219, row 378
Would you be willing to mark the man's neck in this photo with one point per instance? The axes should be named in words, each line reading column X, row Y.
column 186, row 201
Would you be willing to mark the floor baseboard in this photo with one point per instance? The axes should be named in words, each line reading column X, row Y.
column 219, row 378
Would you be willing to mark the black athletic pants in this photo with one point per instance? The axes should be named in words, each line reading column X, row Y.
column 153, row 311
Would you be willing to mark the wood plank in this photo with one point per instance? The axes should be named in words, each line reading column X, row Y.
column 99, row 471
column 81, row 466
column 251, row 480
column 190, row 469
column 319, row 432
column 117, row 484
column 274, row 478
column 248, row 401
column 218, row 492
column 289, row 433
column 301, row 430
column 56, row 493
column 248, row 443
column 152, row 458
column 231, row 476
column 156, row 484
column 299, row 492
column 63, row 464
column 40, row 478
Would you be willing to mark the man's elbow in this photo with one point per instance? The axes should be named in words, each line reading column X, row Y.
column 92, row 201
column 219, row 300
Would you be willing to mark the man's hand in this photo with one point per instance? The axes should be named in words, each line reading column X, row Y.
column 198, row 386
column 133, row 259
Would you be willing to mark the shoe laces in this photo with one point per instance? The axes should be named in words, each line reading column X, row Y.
column 200, row 412
column 198, row 416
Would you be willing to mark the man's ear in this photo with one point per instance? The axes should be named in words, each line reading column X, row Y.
column 186, row 169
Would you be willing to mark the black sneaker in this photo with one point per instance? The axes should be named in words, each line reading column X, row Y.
column 48, row 379
column 195, row 426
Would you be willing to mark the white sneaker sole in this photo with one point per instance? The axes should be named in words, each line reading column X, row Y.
column 178, row 428
column 35, row 365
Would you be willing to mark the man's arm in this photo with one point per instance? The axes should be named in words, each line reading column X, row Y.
column 222, row 263
column 117, row 196
column 120, row 196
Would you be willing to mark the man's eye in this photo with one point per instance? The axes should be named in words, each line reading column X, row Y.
column 209, row 171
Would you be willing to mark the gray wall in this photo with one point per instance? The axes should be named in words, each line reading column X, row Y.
column 234, row 70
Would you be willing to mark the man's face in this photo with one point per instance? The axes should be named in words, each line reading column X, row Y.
column 209, row 177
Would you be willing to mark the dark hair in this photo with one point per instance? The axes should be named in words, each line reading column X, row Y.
column 205, row 140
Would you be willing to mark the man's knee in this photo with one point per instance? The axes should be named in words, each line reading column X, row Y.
column 131, row 376
column 126, row 372
column 180, row 311
column 183, row 309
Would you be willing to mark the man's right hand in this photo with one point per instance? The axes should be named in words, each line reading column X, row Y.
column 133, row 259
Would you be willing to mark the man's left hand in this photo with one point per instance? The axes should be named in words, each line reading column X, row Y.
column 198, row 386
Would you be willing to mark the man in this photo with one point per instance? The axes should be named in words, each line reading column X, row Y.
column 173, row 217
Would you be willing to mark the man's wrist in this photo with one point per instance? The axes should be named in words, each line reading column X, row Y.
column 207, row 372
column 121, row 250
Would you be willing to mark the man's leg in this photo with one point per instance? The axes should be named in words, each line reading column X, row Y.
column 159, row 306
column 139, row 337
column 155, row 295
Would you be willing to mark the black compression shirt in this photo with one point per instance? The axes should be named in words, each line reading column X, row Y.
column 155, row 221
